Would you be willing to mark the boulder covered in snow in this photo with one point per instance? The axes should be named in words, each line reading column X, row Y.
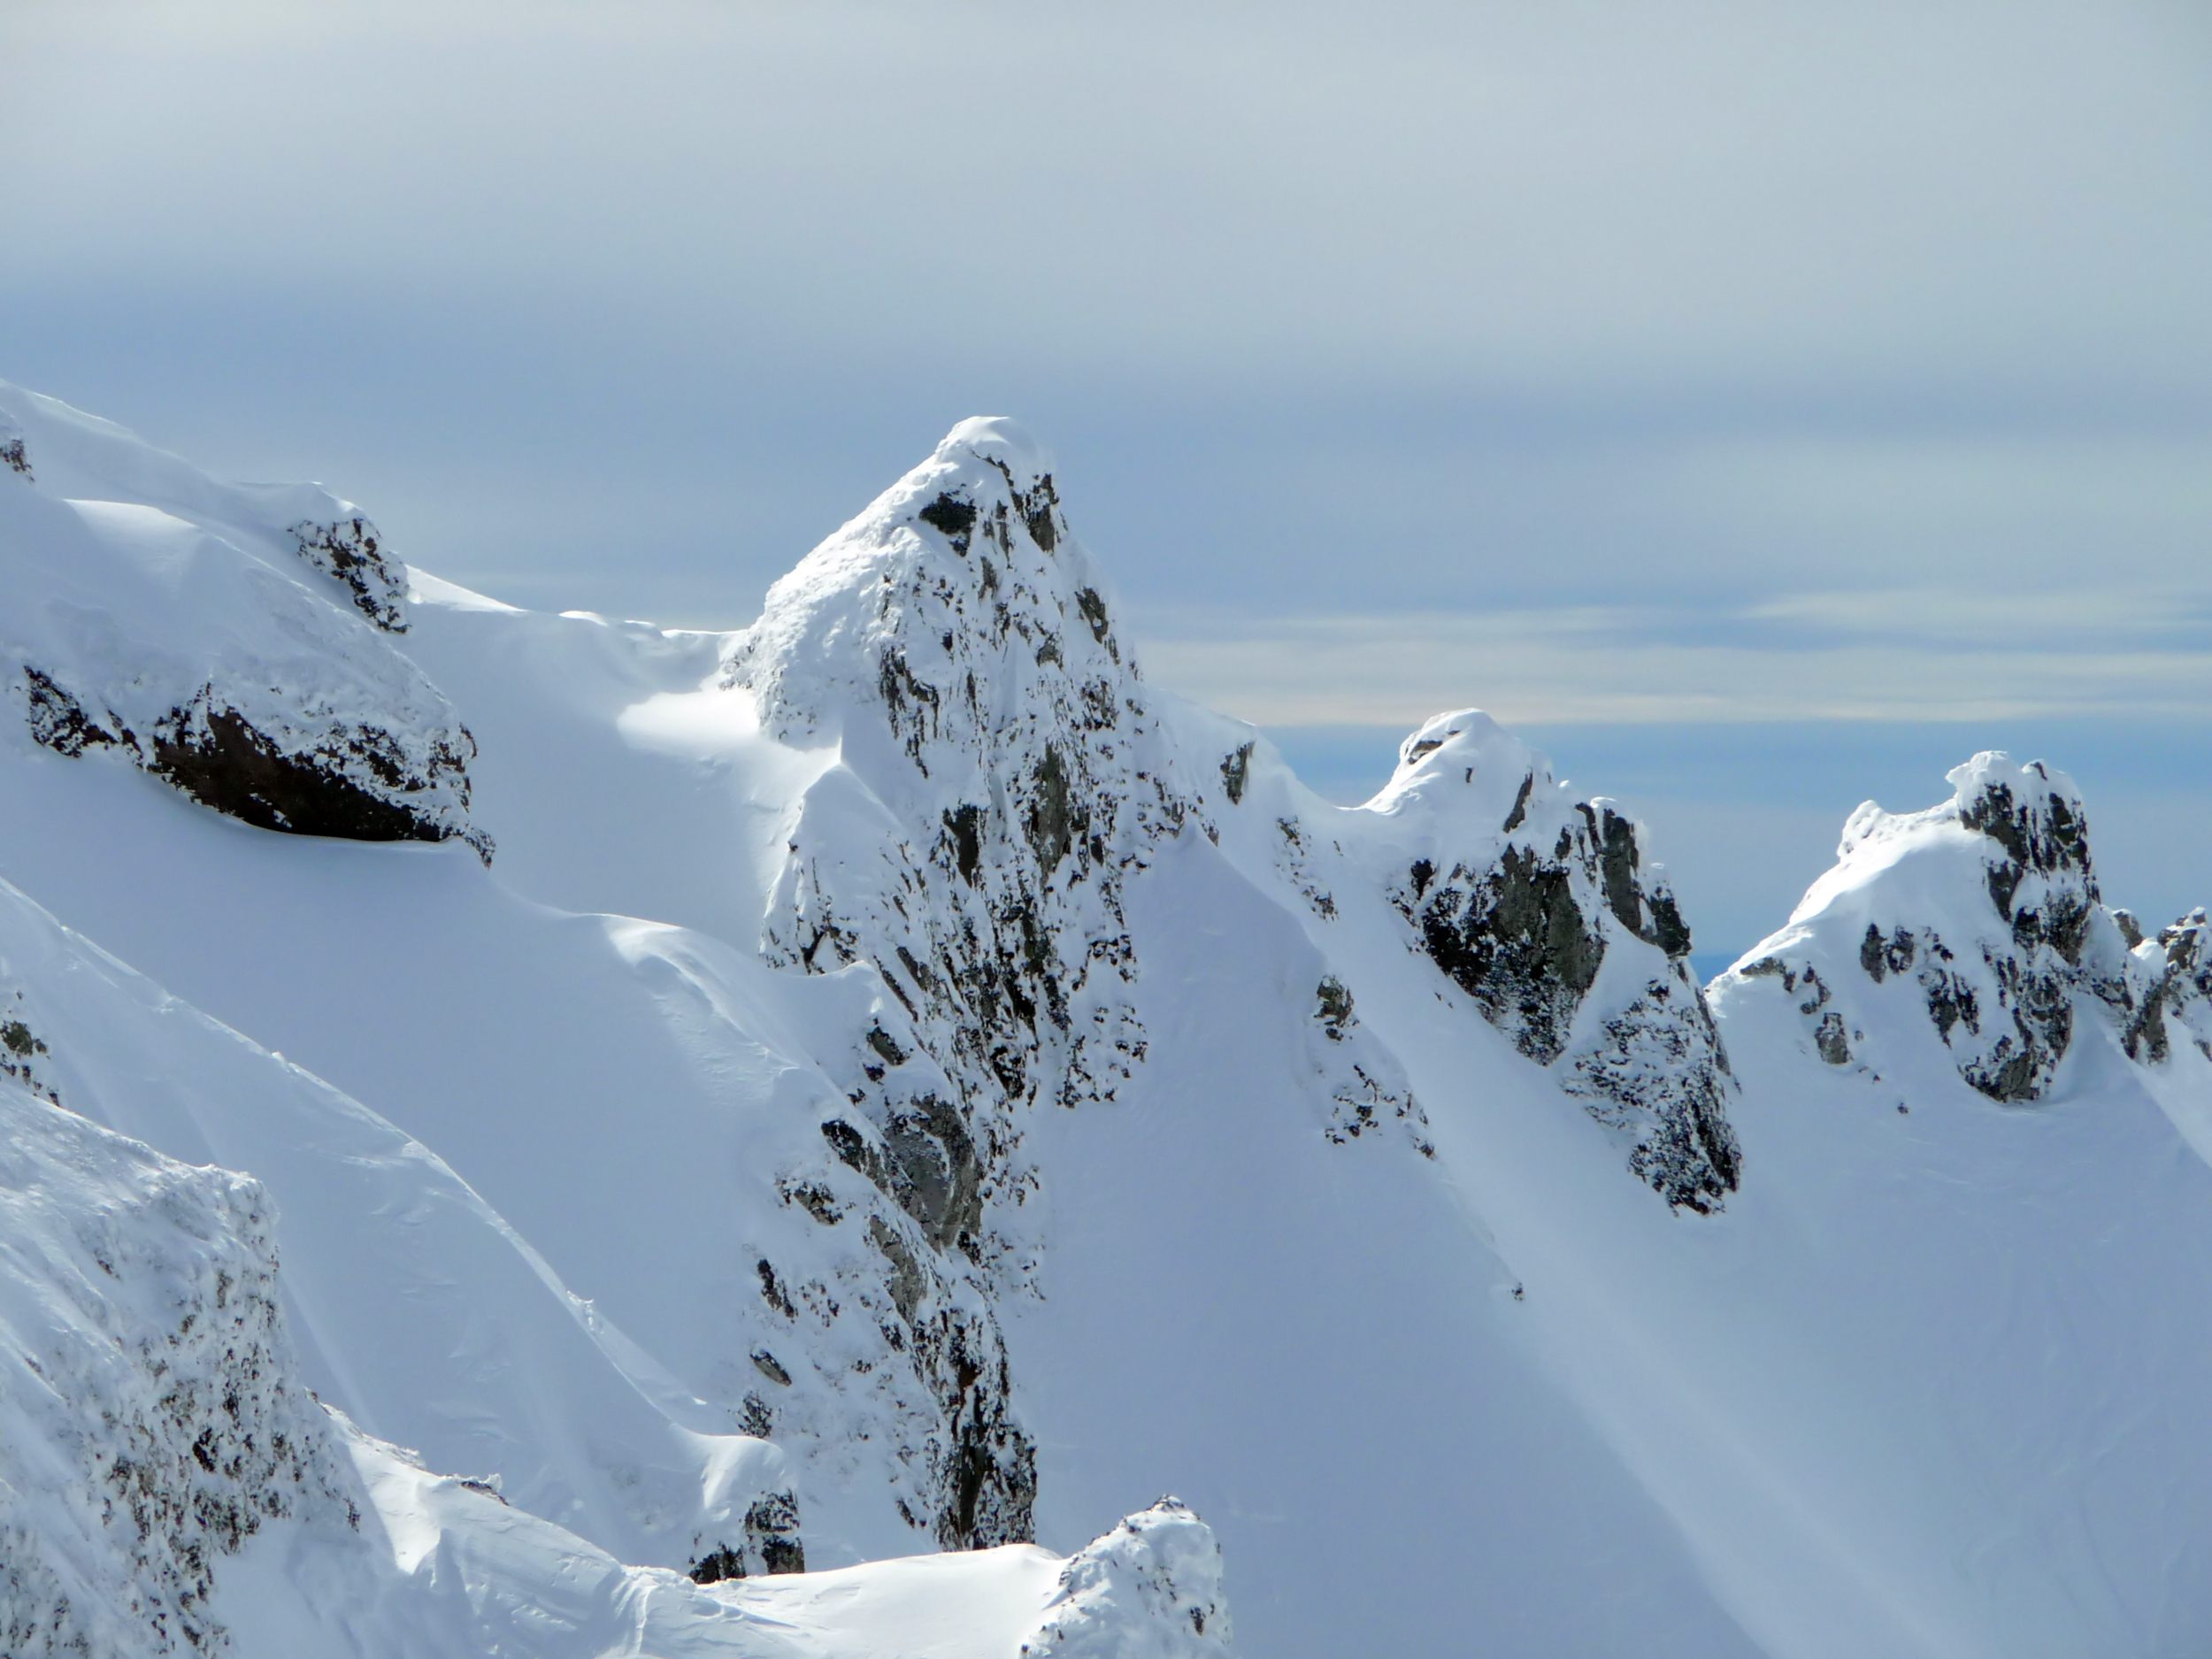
column 232, row 640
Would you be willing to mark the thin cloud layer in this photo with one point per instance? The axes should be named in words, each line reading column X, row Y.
column 1596, row 363
column 1897, row 654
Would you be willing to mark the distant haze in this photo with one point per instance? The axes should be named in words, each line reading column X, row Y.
column 1690, row 367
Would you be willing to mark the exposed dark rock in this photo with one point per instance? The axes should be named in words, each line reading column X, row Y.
column 907, row 1280
column 1882, row 957
column 772, row 1291
column 717, row 1565
column 1094, row 609
column 771, row 1529
column 356, row 782
column 20, row 1050
column 1333, row 1008
column 1236, row 769
column 1829, row 1040
column 214, row 755
column 988, row 1466
column 351, row 552
column 1518, row 816
column 60, row 722
column 1515, row 940
column 771, row 1544
column 965, row 824
column 953, row 517
column 1055, row 820
column 925, row 1162
column 1659, row 1071
column 1526, row 932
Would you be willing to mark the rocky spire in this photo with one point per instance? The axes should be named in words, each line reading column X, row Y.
column 1985, row 913
column 998, row 775
column 1543, row 909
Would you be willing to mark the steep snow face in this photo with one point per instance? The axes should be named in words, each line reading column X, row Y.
column 229, row 640
column 419, row 1310
column 997, row 777
column 1982, row 918
column 151, row 1417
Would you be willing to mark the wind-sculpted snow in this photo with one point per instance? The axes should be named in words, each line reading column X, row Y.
column 149, row 613
column 998, row 777
column 1983, row 914
column 151, row 1417
column 420, row 1312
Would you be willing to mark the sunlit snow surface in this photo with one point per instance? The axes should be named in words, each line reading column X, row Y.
column 1459, row 1382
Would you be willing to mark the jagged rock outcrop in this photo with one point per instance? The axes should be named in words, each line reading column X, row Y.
column 1151, row 1585
column 151, row 1418
column 164, row 622
column 2168, row 986
column 1985, row 911
column 998, row 776
column 770, row 1544
column 351, row 551
column 1541, row 909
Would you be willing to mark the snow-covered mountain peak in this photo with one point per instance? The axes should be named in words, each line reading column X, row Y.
column 1982, row 916
column 1542, row 908
column 997, row 777
column 1004, row 442
column 2034, row 834
column 1464, row 764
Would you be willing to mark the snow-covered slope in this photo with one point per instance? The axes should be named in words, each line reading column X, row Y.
column 971, row 1093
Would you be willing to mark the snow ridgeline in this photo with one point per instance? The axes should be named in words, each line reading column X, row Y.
column 1026, row 1088
column 1979, row 923
column 233, row 641
column 1001, row 775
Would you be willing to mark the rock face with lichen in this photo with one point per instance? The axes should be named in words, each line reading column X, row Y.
column 151, row 615
column 1542, row 909
column 1985, row 913
column 999, row 777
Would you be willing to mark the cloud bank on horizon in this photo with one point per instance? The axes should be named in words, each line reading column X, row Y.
column 1738, row 362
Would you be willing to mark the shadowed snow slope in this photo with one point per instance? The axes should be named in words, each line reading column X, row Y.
column 907, row 1085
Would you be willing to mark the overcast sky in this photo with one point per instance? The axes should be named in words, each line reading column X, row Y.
column 1602, row 363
